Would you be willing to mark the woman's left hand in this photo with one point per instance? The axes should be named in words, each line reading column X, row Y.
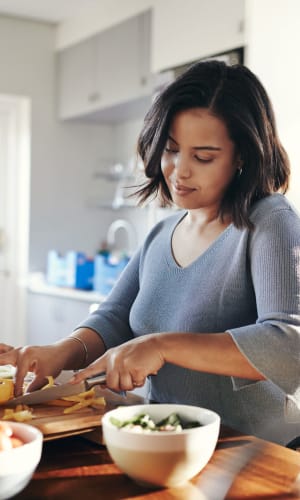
column 5, row 348
column 127, row 366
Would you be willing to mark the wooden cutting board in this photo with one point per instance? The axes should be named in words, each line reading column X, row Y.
column 53, row 423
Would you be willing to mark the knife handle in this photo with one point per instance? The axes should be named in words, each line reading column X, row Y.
column 97, row 380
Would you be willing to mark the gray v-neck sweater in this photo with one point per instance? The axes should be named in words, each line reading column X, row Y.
column 246, row 283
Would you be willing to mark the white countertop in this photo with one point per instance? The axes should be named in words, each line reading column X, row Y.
column 36, row 283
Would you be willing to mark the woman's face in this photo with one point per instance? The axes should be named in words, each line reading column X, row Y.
column 199, row 160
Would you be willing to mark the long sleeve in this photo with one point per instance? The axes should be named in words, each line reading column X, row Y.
column 111, row 319
column 272, row 344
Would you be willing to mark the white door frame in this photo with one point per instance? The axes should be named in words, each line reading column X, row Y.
column 15, row 114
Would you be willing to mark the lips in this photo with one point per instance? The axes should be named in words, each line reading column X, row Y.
column 182, row 190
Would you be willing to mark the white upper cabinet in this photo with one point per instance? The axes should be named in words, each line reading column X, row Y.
column 183, row 32
column 76, row 88
column 108, row 75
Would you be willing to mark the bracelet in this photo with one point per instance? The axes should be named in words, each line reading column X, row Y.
column 86, row 354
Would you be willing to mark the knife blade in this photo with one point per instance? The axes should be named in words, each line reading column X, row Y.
column 57, row 391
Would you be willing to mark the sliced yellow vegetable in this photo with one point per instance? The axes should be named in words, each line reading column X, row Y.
column 83, row 400
column 82, row 395
column 6, row 390
column 50, row 382
column 21, row 413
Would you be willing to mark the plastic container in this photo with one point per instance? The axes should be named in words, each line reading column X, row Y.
column 107, row 271
column 73, row 270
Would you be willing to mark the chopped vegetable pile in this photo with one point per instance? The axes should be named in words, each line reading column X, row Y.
column 21, row 413
column 143, row 422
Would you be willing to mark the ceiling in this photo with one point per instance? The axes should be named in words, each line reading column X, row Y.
column 53, row 11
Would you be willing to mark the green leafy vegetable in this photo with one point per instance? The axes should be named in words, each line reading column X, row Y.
column 144, row 422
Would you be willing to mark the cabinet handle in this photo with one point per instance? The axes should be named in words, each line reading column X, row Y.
column 241, row 26
column 143, row 81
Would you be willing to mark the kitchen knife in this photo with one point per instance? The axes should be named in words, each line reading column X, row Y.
column 57, row 391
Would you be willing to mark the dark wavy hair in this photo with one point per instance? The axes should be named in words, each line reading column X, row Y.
column 235, row 95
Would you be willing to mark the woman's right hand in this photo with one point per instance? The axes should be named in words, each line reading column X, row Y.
column 41, row 360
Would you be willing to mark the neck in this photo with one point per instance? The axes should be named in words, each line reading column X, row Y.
column 205, row 217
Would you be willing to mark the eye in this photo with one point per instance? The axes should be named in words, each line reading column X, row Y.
column 171, row 150
column 203, row 160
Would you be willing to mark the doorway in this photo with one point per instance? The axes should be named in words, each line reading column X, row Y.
column 14, row 216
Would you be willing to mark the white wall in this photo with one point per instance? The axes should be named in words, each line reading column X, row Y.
column 273, row 34
column 63, row 155
column 125, row 136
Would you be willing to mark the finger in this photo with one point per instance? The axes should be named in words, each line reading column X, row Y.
column 38, row 382
column 93, row 369
column 24, row 363
column 113, row 380
column 5, row 348
column 9, row 357
column 138, row 383
column 19, row 381
column 125, row 382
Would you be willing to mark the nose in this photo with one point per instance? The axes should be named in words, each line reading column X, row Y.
column 181, row 164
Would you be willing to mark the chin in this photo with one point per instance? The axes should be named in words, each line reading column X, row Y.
column 186, row 204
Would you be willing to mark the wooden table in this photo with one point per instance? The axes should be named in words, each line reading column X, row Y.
column 75, row 468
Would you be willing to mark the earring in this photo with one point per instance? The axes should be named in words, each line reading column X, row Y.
column 239, row 168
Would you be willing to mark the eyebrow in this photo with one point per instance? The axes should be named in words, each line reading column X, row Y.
column 198, row 148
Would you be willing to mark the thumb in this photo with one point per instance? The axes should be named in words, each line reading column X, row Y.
column 38, row 382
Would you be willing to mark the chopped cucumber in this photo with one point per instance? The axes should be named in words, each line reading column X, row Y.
column 144, row 422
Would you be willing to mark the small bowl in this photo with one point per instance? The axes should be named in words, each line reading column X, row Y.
column 161, row 458
column 18, row 464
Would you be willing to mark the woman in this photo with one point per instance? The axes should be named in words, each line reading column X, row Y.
column 208, row 309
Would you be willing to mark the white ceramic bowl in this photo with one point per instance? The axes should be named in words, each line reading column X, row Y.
column 162, row 458
column 18, row 464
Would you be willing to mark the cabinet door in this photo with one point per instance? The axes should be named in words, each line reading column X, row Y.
column 183, row 32
column 76, row 79
column 109, row 72
column 122, row 66
column 53, row 318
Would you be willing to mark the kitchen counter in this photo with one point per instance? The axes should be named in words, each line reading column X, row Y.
column 54, row 312
column 74, row 468
column 37, row 284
